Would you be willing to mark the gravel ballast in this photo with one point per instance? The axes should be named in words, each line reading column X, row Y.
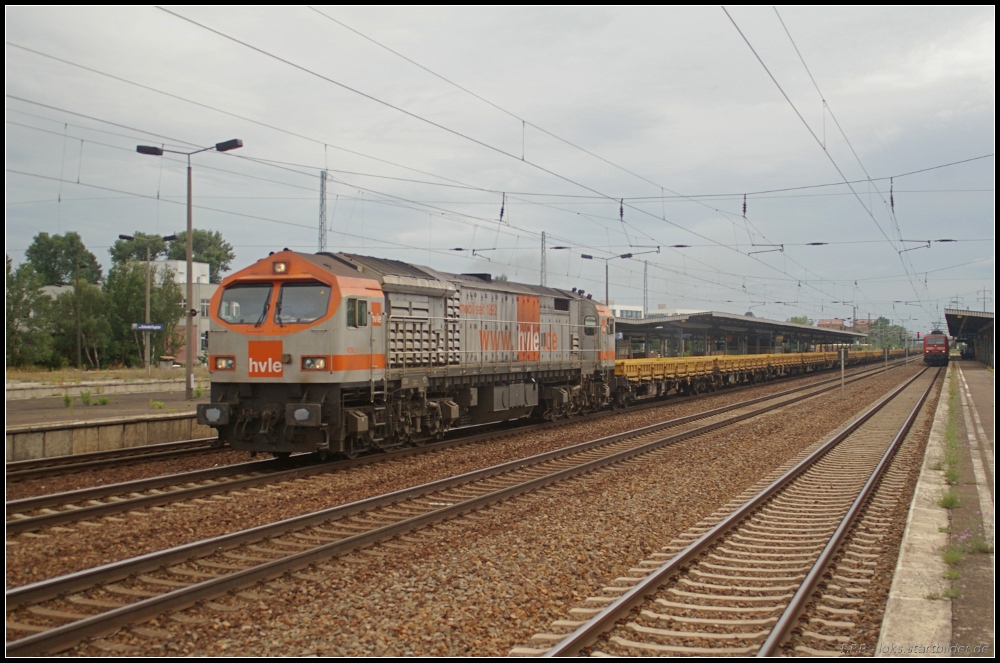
column 32, row 557
column 484, row 584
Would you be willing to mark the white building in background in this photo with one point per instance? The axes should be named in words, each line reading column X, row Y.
column 203, row 291
column 627, row 312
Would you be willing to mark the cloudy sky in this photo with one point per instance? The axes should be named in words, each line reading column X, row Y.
column 612, row 130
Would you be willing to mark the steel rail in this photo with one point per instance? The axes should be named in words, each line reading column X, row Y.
column 38, row 468
column 64, row 636
column 32, row 523
column 587, row 633
column 790, row 617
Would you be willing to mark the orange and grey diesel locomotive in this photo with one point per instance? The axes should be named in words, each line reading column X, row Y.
column 345, row 353
column 936, row 348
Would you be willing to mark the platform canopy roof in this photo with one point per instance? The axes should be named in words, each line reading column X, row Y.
column 967, row 325
column 716, row 323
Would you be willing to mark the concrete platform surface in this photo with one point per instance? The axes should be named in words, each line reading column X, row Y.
column 54, row 409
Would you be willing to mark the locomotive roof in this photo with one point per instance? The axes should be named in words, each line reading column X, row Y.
column 382, row 267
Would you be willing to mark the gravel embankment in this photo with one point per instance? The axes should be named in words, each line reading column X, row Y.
column 34, row 557
column 484, row 584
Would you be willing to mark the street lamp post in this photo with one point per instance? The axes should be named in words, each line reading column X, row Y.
column 624, row 256
column 79, row 333
column 149, row 272
column 191, row 312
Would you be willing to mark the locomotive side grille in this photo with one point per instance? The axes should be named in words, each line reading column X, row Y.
column 419, row 337
column 454, row 335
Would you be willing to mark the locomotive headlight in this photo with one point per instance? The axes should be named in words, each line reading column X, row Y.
column 225, row 363
column 281, row 268
column 314, row 363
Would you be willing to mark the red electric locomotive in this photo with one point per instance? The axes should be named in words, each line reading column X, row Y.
column 936, row 349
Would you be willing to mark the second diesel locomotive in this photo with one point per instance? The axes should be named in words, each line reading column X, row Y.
column 346, row 353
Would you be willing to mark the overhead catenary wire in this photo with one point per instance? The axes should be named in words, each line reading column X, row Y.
column 818, row 141
column 422, row 200
column 436, row 124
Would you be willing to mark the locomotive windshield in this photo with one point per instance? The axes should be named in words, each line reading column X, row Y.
column 934, row 341
column 245, row 304
column 301, row 303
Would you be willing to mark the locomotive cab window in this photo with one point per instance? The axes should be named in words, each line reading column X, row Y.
column 611, row 326
column 301, row 303
column 245, row 304
column 357, row 312
column 590, row 325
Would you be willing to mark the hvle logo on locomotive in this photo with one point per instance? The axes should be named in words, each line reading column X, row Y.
column 264, row 359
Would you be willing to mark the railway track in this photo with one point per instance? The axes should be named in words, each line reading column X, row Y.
column 739, row 583
column 55, row 614
column 24, row 470
column 39, row 468
column 34, row 513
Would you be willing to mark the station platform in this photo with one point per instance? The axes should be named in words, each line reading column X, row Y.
column 941, row 602
column 44, row 427
column 53, row 409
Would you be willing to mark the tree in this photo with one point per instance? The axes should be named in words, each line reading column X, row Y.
column 207, row 246
column 883, row 334
column 28, row 309
column 124, row 250
column 125, row 296
column 800, row 320
column 82, row 313
column 62, row 259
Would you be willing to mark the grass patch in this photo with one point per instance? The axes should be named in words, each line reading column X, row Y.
column 85, row 397
column 68, row 401
column 952, row 457
column 951, row 475
column 952, row 555
column 949, row 500
column 156, row 405
column 103, row 400
column 952, row 592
